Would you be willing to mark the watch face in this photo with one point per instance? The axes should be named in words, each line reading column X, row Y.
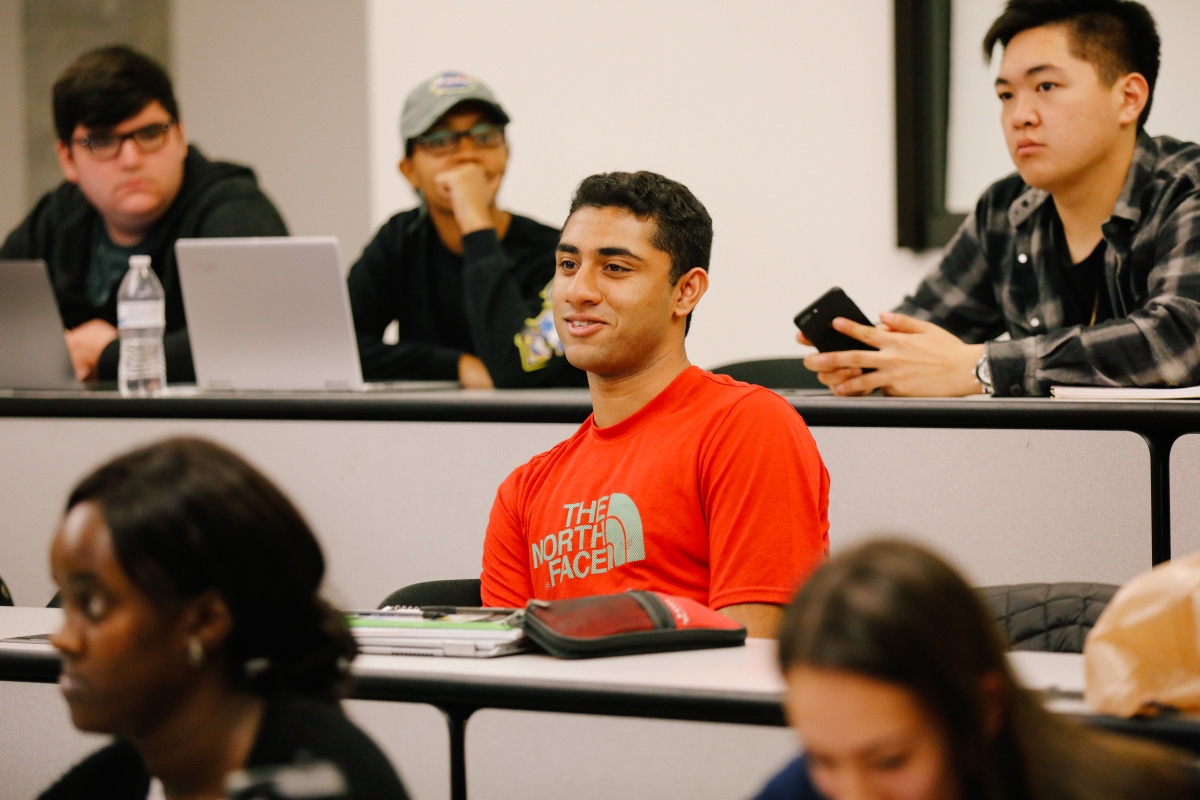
column 983, row 373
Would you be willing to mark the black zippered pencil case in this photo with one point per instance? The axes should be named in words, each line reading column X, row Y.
column 630, row 622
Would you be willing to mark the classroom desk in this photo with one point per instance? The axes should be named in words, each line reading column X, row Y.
column 1159, row 424
column 737, row 684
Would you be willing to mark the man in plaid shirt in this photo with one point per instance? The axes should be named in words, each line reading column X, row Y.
column 1084, row 267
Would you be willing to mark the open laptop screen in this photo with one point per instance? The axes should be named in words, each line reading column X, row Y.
column 33, row 352
column 268, row 314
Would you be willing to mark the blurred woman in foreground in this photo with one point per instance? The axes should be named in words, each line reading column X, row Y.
column 194, row 632
column 899, row 688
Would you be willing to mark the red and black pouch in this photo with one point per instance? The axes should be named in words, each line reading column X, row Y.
column 623, row 624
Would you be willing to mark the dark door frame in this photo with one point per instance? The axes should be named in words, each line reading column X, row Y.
column 922, row 51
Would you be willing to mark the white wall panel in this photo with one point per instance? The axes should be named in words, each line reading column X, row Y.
column 777, row 115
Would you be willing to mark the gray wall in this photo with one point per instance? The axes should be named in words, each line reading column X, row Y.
column 12, row 116
column 56, row 33
column 281, row 85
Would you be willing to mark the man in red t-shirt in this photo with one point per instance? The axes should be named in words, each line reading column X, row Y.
column 681, row 481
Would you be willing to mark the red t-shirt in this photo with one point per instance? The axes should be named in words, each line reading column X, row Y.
column 714, row 491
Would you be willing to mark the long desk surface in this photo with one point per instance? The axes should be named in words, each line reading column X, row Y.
column 731, row 684
column 574, row 405
column 1159, row 424
column 735, row 685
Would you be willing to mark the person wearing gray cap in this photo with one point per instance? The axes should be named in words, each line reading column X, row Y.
column 466, row 282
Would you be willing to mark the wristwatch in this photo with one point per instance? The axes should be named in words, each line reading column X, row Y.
column 983, row 374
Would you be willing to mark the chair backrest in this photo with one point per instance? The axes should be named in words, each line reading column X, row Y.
column 1051, row 617
column 463, row 592
column 773, row 373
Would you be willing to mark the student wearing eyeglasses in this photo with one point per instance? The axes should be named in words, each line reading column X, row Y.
column 462, row 285
column 133, row 186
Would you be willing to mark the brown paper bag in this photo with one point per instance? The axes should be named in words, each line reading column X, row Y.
column 1144, row 651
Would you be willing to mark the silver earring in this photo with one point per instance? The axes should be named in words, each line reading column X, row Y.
column 195, row 653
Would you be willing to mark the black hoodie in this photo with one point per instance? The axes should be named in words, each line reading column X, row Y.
column 216, row 199
column 492, row 301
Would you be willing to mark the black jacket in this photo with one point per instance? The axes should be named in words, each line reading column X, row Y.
column 216, row 199
column 492, row 302
column 292, row 729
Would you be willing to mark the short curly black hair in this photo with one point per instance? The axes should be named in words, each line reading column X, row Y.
column 682, row 227
column 106, row 86
column 1116, row 36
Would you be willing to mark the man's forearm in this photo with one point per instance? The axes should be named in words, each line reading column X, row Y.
column 761, row 620
column 1115, row 353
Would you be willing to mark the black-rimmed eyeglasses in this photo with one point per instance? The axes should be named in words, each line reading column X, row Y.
column 444, row 142
column 106, row 146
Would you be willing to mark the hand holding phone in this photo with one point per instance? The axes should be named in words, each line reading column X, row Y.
column 816, row 322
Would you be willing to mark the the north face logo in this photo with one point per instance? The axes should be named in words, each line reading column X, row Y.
column 623, row 529
column 598, row 536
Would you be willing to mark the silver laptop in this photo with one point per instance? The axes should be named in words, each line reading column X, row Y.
column 33, row 352
column 268, row 314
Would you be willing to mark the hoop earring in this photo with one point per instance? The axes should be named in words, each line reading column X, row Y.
column 195, row 653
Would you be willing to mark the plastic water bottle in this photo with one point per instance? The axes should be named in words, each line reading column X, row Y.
column 141, row 320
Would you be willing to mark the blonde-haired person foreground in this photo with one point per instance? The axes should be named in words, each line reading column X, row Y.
column 899, row 688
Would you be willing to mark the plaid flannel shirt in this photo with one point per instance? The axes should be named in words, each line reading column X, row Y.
column 996, row 278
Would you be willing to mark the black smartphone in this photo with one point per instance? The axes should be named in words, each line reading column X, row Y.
column 816, row 322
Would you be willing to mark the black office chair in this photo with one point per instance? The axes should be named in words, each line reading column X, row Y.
column 56, row 601
column 1050, row 617
column 5, row 595
column 1056, row 617
column 464, row 592
column 773, row 373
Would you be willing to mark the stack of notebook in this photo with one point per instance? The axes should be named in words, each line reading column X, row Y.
column 461, row 632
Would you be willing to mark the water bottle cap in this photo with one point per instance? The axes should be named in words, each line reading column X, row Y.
column 136, row 262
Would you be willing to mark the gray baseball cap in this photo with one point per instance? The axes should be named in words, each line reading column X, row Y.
column 431, row 99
